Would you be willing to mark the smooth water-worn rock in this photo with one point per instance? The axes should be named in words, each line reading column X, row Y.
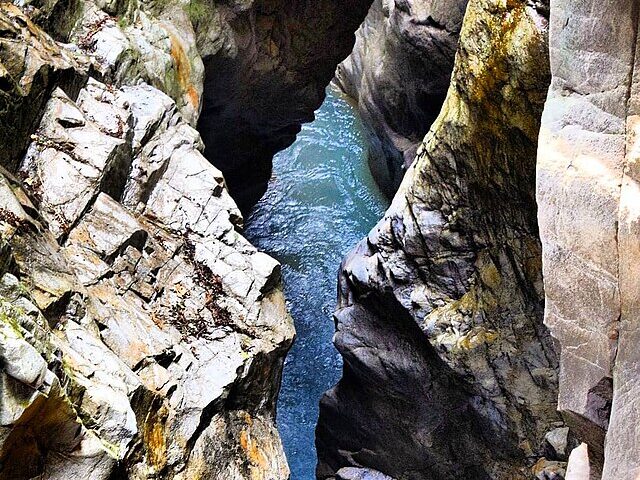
column 589, row 198
column 399, row 73
column 141, row 336
column 449, row 371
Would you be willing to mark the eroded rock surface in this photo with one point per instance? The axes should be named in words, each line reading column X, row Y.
column 265, row 73
column 449, row 372
column 141, row 336
column 588, row 196
column 399, row 73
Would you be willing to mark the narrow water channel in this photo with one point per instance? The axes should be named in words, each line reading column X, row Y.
column 321, row 200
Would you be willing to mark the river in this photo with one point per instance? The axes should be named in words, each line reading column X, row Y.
column 321, row 200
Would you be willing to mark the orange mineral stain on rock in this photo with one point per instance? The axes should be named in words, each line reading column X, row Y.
column 183, row 71
column 154, row 438
column 256, row 456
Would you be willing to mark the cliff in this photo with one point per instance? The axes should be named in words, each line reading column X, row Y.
column 449, row 371
column 399, row 73
column 141, row 335
column 587, row 188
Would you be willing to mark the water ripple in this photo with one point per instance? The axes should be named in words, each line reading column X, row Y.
column 320, row 202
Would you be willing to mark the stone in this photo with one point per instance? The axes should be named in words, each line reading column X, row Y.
column 449, row 371
column 399, row 73
column 578, row 467
column 72, row 156
column 352, row 473
column 558, row 441
column 587, row 192
column 140, row 332
column 32, row 65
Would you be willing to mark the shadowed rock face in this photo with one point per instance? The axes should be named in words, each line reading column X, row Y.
column 589, row 197
column 268, row 80
column 449, row 372
column 399, row 73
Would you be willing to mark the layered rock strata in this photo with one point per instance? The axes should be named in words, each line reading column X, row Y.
column 588, row 196
column 399, row 73
column 141, row 336
column 449, row 371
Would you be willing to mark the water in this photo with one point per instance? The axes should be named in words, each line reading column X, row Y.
column 321, row 200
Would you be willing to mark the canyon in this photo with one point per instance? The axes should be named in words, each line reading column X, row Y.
column 485, row 325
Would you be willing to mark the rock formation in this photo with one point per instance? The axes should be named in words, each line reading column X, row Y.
column 449, row 371
column 487, row 323
column 266, row 71
column 141, row 335
column 589, row 200
column 398, row 74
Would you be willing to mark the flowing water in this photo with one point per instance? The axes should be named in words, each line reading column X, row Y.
column 321, row 200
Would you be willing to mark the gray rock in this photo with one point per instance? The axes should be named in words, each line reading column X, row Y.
column 449, row 371
column 140, row 334
column 587, row 195
column 353, row 473
column 32, row 65
column 558, row 440
column 74, row 155
column 399, row 73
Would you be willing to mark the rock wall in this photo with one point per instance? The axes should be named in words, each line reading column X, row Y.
column 141, row 336
column 449, row 372
column 588, row 196
column 399, row 73
column 265, row 74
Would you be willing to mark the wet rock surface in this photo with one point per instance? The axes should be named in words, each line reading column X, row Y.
column 449, row 371
column 399, row 73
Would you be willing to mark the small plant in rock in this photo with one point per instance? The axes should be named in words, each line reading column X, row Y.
column 198, row 10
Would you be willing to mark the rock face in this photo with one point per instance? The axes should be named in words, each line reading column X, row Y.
column 141, row 336
column 265, row 73
column 588, row 196
column 398, row 74
column 449, row 372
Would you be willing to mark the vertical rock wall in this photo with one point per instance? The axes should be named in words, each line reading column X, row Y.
column 589, row 199
column 449, row 371
column 399, row 73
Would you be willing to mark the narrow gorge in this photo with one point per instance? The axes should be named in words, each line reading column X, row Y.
column 185, row 184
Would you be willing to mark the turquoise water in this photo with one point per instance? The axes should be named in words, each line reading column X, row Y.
column 321, row 200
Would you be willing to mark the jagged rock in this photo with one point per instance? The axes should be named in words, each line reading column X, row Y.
column 399, row 73
column 138, row 46
column 449, row 371
column 588, row 210
column 142, row 335
column 74, row 155
column 32, row 65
